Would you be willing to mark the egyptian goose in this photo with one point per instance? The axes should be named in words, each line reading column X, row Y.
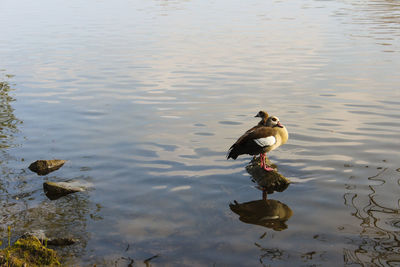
column 264, row 116
column 263, row 122
column 260, row 141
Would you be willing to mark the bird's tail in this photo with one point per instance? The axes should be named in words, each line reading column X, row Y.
column 232, row 153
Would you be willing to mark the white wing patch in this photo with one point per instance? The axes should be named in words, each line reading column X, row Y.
column 266, row 141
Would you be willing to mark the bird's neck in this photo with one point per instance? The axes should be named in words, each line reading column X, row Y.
column 263, row 122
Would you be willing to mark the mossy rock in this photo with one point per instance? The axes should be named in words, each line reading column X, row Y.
column 267, row 181
column 28, row 251
column 51, row 241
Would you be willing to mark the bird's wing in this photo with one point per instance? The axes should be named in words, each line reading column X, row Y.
column 243, row 138
column 263, row 136
column 265, row 141
column 256, row 132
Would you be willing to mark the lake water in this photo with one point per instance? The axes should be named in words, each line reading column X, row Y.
column 144, row 98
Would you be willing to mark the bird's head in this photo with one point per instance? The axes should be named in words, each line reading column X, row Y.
column 273, row 121
column 262, row 114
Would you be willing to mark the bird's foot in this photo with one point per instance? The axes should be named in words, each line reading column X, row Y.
column 267, row 168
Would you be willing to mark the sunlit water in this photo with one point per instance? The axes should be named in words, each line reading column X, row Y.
column 143, row 98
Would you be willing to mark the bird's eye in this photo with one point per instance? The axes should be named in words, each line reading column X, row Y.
column 273, row 119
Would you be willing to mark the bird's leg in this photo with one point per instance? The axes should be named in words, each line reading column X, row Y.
column 264, row 196
column 262, row 160
column 265, row 166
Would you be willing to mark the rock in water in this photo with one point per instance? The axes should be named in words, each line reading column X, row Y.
column 43, row 167
column 58, row 241
column 268, row 181
column 55, row 190
column 61, row 241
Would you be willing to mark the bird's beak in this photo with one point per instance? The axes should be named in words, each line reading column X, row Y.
column 279, row 124
column 256, row 116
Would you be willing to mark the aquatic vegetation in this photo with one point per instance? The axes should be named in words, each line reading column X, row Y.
column 28, row 251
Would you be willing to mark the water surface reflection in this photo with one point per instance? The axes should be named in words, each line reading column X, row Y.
column 8, row 121
column 380, row 20
column 378, row 218
column 269, row 213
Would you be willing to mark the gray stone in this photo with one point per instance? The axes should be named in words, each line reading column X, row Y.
column 55, row 190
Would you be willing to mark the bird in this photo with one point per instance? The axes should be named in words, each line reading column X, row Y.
column 264, row 116
column 263, row 122
column 260, row 140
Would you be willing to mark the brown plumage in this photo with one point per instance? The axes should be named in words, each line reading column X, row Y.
column 260, row 140
column 246, row 144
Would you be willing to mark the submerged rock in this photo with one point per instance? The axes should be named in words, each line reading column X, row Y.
column 267, row 181
column 61, row 241
column 28, row 251
column 55, row 190
column 43, row 167
column 57, row 241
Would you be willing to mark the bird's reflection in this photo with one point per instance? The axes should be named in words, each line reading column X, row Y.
column 269, row 213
